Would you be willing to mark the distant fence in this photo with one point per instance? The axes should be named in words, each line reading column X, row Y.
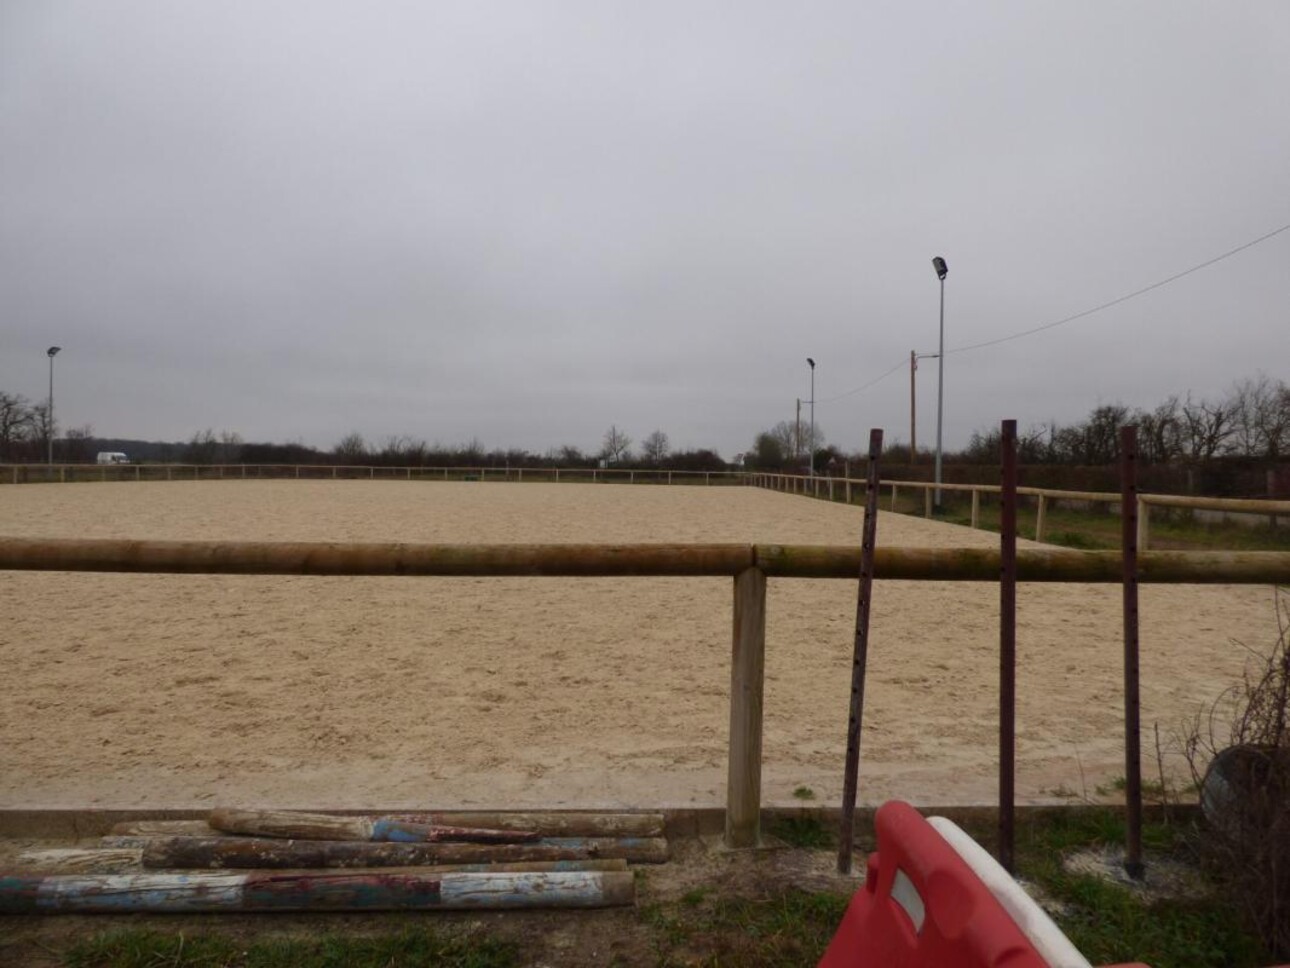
column 829, row 488
column 841, row 488
column 748, row 565
column 77, row 473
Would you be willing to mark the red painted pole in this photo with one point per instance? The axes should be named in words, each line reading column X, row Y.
column 1008, row 645
column 1132, row 711
column 860, row 655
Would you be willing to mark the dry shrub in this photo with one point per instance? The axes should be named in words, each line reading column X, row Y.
column 1239, row 754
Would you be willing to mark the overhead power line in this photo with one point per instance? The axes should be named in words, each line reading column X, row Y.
column 1080, row 315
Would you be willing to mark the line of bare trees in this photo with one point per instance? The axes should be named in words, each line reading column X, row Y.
column 25, row 430
column 1251, row 421
column 616, row 450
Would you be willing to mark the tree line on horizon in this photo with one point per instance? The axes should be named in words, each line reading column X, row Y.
column 1251, row 421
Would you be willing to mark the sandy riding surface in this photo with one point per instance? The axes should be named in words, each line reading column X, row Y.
column 179, row 691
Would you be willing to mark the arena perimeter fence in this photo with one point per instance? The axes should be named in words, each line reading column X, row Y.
column 748, row 565
column 842, row 488
column 827, row 488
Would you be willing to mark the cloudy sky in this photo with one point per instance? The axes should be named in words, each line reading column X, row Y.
column 520, row 222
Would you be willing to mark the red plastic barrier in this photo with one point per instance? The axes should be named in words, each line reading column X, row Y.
column 939, row 916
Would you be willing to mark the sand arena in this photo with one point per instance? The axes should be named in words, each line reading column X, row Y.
column 180, row 691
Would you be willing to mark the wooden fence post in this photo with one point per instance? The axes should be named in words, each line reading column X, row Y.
column 1144, row 524
column 747, row 676
column 927, row 502
column 1040, row 516
column 893, row 497
column 830, row 489
column 976, row 508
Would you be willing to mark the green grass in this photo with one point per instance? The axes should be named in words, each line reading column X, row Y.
column 1108, row 922
column 804, row 793
column 133, row 948
column 735, row 923
column 804, row 832
column 1093, row 529
column 778, row 930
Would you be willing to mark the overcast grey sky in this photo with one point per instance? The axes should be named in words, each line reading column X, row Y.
column 524, row 221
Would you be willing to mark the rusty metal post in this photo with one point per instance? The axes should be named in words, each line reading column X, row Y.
column 1132, row 712
column 860, row 655
column 1008, row 645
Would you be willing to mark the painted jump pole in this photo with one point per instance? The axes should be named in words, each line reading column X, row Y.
column 1008, row 645
column 312, row 891
column 320, row 826
column 558, row 824
column 1132, row 711
column 860, row 655
column 267, row 852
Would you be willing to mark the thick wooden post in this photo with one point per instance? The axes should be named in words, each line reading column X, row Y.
column 927, row 502
column 1132, row 712
column 848, row 490
column 1040, row 516
column 860, row 656
column 893, row 497
column 1144, row 524
column 747, row 675
column 976, row 508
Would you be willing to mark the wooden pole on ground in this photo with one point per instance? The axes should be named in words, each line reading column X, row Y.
column 747, row 685
column 860, row 655
column 1132, row 726
column 1007, row 644
column 323, row 826
column 311, row 891
column 269, row 852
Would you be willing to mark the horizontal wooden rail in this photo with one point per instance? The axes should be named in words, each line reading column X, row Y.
column 1033, row 565
column 1234, row 505
column 713, row 560
column 322, row 558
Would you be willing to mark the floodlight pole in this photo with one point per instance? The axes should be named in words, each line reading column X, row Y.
column 51, row 353
column 942, row 270
column 810, row 457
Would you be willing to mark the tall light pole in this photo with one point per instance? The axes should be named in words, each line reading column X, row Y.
column 810, row 457
column 51, row 353
column 942, row 270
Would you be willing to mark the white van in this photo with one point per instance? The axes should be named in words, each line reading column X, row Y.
column 112, row 457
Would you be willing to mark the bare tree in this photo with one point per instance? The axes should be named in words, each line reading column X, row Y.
column 616, row 445
column 352, row 447
column 77, row 443
column 1160, row 432
column 1205, row 428
column 656, row 447
column 1260, row 417
column 17, row 423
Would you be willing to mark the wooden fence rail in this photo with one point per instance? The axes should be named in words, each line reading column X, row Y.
column 747, row 565
column 1045, row 496
column 79, row 473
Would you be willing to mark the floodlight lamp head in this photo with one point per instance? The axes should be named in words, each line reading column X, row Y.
column 53, row 351
column 942, row 270
column 811, row 361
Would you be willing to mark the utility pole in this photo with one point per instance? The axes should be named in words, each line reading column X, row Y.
column 941, row 272
column 810, row 457
column 797, row 434
column 913, row 423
